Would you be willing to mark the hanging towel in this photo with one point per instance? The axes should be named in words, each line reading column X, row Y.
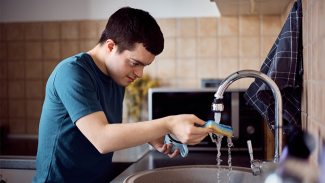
column 283, row 65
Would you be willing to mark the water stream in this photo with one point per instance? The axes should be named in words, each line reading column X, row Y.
column 217, row 140
column 230, row 144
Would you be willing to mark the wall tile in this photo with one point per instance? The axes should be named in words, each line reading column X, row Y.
column 169, row 48
column 305, row 29
column 3, row 109
column 313, row 61
column 151, row 69
column 17, row 126
column 314, row 21
column 34, row 89
column 16, row 89
column 318, row 102
column 3, row 70
column 187, row 27
column 187, row 83
column 304, row 6
column 88, row 30
column 17, row 108
column 305, row 63
column 309, row 99
column 167, row 26
column 3, row 31
column 229, row 46
column 271, row 25
column 208, row 47
column 187, row 47
column 310, row 61
column 3, row 50
column 320, row 18
column 304, row 121
column 16, row 50
column 323, row 103
column 250, row 25
column 51, row 50
column 250, row 46
column 33, row 31
column 309, row 24
column 101, row 27
column 69, row 48
column 320, row 60
column 69, row 30
column 229, row 26
column 250, row 63
column 34, row 70
column 208, row 68
column 15, row 31
column 33, row 50
column 87, row 45
column 228, row 66
column 267, row 43
column 34, row 108
column 304, row 97
column 312, row 113
column 16, row 70
column 168, row 83
column 3, row 89
column 166, row 67
column 208, row 26
column 187, row 68
column 32, row 126
column 245, row 82
column 51, row 31
column 49, row 67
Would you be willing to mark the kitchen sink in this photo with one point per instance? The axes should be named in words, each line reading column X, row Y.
column 194, row 173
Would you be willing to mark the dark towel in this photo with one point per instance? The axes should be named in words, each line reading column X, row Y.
column 284, row 65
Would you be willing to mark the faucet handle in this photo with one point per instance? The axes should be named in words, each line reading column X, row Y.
column 250, row 150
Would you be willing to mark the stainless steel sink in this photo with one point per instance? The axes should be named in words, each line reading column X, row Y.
column 194, row 173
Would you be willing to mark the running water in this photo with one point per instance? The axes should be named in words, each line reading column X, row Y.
column 230, row 144
column 217, row 117
column 217, row 140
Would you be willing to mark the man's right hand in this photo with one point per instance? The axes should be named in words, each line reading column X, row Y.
column 183, row 127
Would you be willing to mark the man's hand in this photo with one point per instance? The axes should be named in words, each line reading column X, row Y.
column 164, row 148
column 183, row 127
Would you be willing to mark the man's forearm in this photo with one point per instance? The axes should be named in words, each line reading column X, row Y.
column 112, row 137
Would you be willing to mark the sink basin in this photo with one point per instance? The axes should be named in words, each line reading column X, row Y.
column 194, row 173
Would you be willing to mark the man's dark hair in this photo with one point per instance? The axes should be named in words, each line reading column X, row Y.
column 128, row 26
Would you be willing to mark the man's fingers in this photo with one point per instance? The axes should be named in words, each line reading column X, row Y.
column 175, row 153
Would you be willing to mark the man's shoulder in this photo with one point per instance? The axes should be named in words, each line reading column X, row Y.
column 75, row 61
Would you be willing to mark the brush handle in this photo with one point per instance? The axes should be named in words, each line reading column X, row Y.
column 182, row 147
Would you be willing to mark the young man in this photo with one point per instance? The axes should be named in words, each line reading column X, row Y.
column 80, row 125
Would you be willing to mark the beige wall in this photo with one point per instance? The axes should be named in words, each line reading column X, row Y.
column 313, row 97
column 195, row 48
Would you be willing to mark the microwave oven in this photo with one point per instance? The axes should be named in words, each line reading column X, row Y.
column 246, row 122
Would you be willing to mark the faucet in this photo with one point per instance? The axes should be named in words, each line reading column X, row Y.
column 257, row 166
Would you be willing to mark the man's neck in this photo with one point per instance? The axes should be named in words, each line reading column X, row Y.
column 98, row 55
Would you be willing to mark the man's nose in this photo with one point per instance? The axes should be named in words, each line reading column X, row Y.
column 139, row 72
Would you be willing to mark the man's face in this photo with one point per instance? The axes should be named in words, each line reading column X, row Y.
column 127, row 66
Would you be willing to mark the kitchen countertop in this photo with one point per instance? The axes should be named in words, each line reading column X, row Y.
column 154, row 159
column 129, row 155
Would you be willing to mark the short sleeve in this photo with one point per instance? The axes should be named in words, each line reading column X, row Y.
column 75, row 89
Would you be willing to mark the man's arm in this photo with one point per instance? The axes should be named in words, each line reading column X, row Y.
column 112, row 137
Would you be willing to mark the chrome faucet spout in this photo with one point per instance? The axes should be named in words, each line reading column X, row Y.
column 216, row 105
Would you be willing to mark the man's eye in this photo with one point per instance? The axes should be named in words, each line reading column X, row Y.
column 135, row 63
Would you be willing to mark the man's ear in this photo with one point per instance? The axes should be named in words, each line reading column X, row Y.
column 110, row 45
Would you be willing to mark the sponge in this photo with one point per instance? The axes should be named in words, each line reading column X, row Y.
column 219, row 128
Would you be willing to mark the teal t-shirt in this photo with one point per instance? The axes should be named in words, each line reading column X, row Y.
column 76, row 87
